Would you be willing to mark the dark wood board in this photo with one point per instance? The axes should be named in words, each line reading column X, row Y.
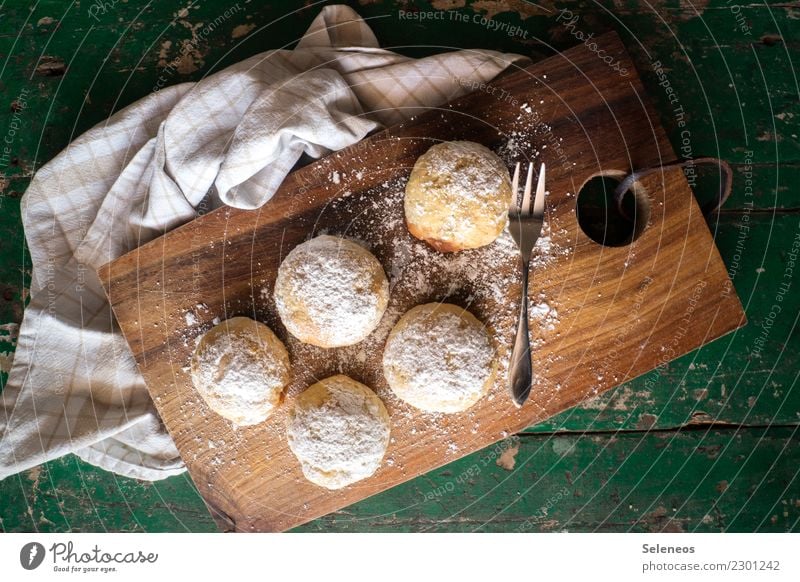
column 622, row 311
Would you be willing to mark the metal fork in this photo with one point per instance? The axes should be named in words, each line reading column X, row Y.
column 525, row 226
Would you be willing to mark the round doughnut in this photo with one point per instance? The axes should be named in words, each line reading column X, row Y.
column 339, row 431
column 439, row 358
column 457, row 196
column 240, row 368
column 331, row 292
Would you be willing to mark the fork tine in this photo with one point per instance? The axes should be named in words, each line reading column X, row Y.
column 514, row 203
column 538, row 203
column 514, row 206
column 526, row 198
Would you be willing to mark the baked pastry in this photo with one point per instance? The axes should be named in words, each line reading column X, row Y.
column 457, row 196
column 339, row 431
column 439, row 358
column 331, row 292
column 241, row 368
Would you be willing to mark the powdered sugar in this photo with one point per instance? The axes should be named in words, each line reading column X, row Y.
column 543, row 314
column 240, row 370
column 480, row 280
column 485, row 281
column 528, row 136
column 330, row 291
column 339, row 431
column 546, row 250
column 439, row 358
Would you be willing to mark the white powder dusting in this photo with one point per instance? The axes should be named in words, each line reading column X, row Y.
column 339, row 431
column 331, row 292
column 448, row 162
column 439, row 359
column 240, row 370
column 546, row 250
column 478, row 279
column 543, row 317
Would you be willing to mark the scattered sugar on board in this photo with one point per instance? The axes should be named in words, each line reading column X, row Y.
column 418, row 274
column 475, row 279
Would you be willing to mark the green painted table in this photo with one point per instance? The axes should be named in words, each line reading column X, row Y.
column 709, row 444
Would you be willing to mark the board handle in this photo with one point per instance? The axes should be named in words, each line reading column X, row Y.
column 724, row 191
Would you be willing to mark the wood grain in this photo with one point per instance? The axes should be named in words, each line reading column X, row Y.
column 622, row 311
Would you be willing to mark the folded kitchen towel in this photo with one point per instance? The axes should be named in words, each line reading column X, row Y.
column 229, row 139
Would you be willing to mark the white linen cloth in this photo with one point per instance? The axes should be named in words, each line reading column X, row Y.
column 74, row 386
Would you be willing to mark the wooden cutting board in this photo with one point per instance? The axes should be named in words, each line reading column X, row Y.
column 602, row 315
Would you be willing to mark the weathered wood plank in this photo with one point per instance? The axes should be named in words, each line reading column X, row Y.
column 118, row 57
column 718, row 480
column 14, row 272
column 70, row 495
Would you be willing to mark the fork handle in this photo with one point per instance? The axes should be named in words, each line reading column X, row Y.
column 520, row 374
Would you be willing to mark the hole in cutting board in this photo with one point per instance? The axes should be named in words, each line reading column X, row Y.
column 601, row 220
